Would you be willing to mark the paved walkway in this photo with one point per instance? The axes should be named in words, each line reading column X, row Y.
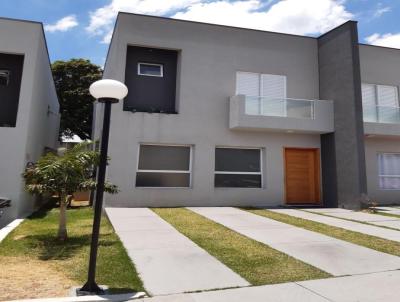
column 167, row 261
column 389, row 210
column 344, row 224
column 375, row 219
column 334, row 256
column 366, row 288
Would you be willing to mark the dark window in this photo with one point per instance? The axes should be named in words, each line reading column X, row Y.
column 238, row 168
column 163, row 166
column 152, row 70
column 11, row 66
column 150, row 75
column 4, row 77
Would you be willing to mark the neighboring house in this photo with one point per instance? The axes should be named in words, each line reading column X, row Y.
column 29, row 115
column 222, row 116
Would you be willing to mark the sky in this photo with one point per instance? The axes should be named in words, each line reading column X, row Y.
column 83, row 28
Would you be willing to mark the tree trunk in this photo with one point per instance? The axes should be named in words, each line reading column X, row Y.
column 62, row 227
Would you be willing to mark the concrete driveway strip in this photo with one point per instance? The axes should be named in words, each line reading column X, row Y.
column 375, row 219
column 167, row 261
column 344, row 224
column 334, row 256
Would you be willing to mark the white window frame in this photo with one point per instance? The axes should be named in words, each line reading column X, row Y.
column 151, row 75
column 384, row 175
column 165, row 171
column 261, row 173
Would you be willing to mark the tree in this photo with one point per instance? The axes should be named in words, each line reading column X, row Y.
column 72, row 80
column 63, row 174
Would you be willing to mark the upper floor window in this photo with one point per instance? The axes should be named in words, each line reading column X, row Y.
column 4, row 77
column 258, row 84
column 265, row 93
column 380, row 103
column 150, row 69
column 389, row 171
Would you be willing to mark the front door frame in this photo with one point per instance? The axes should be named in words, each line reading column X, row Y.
column 317, row 167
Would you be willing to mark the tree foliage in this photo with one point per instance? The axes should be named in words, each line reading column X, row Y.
column 72, row 80
column 64, row 174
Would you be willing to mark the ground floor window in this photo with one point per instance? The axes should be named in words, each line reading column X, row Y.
column 238, row 168
column 389, row 171
column 164, row 166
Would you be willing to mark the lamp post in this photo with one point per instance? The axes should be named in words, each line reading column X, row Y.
column 107, row 92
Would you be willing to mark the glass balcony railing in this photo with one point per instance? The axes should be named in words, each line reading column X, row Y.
column 381, row 114
column 294, row 108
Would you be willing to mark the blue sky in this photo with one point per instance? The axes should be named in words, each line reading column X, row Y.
column 82, row 28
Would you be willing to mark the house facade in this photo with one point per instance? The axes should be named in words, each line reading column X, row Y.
column 224, row 116
column 29, row 115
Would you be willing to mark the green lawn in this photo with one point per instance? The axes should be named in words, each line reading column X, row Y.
column 34, row 243
column 376, row 243
column 256, row 262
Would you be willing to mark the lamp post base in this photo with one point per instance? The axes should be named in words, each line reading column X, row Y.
column 91, row 289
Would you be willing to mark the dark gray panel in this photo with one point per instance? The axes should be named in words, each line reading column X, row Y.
column 153, row 157
column 329, row 176
column 237, row 181
column 151, row 93
column 237, row 160
column 10, row 88
column 339, row 75
column 146, row 179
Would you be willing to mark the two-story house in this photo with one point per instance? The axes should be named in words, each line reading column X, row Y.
column 29, row 114
column 224, row 116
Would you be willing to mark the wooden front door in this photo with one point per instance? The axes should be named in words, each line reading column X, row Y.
column 302, row 176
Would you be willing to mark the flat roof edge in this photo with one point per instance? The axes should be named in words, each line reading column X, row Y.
column 214, row 24
column 379, row 46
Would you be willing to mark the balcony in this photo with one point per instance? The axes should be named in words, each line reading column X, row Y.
column 280, row 115
column 381, row 120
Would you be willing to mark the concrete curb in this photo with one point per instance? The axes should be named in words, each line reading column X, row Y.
column 114, row 298
column 9, row 228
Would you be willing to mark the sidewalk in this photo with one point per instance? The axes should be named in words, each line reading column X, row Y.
column 366, row 288
column 331, row 255
column 377, row 287
column 167, row 261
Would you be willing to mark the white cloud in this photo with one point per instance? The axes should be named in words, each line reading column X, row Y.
column 381, row 10
column 289, row 16
column 102, row 19
column 63, row 24
column 388, row 40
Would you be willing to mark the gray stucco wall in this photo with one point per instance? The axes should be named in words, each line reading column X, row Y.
column 27, row 140
column 340, row 81
column 209, row 58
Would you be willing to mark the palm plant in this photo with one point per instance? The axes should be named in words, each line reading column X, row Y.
column 63, row 174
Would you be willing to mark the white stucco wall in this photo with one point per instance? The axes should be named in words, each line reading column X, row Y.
column 33, row 130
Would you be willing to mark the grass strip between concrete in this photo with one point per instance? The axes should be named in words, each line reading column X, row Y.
column 256, row 262
column 372, row 242
column 35, row 264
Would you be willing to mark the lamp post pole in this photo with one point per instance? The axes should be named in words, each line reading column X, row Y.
column 120, row 92
column 91, row 286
